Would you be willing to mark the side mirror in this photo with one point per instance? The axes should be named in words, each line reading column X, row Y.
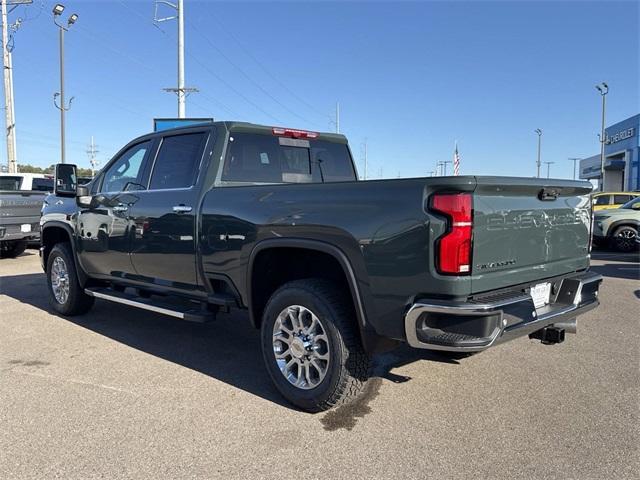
column 635, row 206
column 66, row 181
column 84, row 197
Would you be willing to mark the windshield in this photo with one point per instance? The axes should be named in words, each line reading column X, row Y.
column 629, row 205
column 10, row 183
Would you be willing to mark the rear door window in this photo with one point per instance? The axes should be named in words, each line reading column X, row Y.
column 178, row 161
column 255, row 158
column 621, row 199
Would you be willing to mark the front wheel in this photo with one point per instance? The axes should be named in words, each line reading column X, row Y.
column 311, row 346
column 66, row 296
column 624, row 239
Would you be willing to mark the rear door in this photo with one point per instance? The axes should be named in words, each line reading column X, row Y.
column 164, row 244
column 525, row 230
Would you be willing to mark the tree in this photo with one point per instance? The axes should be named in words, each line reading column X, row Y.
column 26, row 168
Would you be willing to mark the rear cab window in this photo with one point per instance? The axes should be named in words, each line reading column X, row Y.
column 9, row 183
column 42, row 184
column 602, row 200
column 264, row 158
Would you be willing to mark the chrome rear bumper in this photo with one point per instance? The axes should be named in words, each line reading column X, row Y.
column 472, row 327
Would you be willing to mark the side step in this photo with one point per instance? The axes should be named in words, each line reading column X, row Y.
column 188, row 314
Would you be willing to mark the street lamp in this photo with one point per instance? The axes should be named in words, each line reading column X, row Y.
column 539, row 132
column 73, row 18
column 603, row 88
column 549, row 167
column 574, row 160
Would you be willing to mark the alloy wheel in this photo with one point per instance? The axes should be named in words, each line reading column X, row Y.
column 60, row 280
column 301, row 347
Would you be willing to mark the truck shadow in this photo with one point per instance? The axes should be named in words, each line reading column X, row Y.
column 618, row 270
column 227, row 349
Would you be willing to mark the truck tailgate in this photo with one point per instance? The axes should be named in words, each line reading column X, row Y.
column 526, row 230
column 18, row 205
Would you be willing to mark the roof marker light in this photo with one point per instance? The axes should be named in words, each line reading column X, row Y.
column 293, row 133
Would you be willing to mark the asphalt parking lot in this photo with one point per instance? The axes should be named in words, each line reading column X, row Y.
column 123, row 393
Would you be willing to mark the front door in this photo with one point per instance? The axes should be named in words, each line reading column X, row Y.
column 105, row 230
column 164, row 243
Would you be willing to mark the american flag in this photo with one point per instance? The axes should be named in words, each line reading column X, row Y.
column 456, row 162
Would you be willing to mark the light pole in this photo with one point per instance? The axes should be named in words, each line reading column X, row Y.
column 444, row 167
column 539, row 132
column 57, row 11
column 603, row 88
column 549, row 167
column 574, row 160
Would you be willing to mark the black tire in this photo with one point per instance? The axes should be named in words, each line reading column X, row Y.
column 77, row 302
column 13, row 249
column 349, row 365
column 624, row 238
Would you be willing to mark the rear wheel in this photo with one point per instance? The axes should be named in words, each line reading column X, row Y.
column 311, row 346
column 13, row 249
column 624, row 238
column 66, row 296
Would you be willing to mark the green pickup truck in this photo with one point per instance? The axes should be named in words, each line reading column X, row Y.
column 192, row 221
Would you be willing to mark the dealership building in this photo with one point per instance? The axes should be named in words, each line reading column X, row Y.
column 621, row 158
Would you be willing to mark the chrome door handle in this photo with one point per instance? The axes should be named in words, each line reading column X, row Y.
column 120, row 208
column 182, row 208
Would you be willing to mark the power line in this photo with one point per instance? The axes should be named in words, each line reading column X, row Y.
column 247, row 76
column 268, row 72
column 207, row 69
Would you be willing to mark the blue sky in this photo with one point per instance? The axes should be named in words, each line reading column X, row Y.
column 411, row 77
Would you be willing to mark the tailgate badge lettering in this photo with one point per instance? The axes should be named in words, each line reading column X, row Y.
column 498, row 264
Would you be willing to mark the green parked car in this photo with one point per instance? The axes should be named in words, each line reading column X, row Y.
column 618, row 227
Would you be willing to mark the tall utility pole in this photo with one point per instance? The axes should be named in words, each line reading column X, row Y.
column 8, row 93
column 574, row 160
column 548, row 167
column 181, row 91
column 539, row 132
column 603, row 88
column 73, row 18
column 92, row 150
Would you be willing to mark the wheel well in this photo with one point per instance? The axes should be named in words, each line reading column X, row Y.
column 620, row 223
column 50, row 237
column 275, row 266
column 616, row 226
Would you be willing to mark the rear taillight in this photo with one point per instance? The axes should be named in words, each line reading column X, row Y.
column 453, row 249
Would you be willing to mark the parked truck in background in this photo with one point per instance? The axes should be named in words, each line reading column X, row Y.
column 21, row 198
column 191, row 221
